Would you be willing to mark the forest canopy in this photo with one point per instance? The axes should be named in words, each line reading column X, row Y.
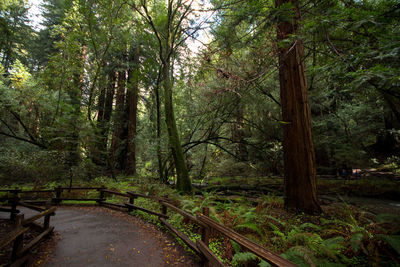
column 183, row 90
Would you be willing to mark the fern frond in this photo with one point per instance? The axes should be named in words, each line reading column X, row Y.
column 252, row 227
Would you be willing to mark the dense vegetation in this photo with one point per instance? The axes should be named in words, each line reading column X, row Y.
column 183, row 91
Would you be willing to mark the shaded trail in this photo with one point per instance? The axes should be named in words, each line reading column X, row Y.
column 94, row 236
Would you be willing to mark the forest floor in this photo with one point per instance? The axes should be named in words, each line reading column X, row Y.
column 360, row 225
column 93, row 236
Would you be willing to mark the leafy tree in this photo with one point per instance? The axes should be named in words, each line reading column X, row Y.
column 14, row 31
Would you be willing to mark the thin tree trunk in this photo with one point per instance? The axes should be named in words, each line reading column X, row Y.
column 299, row 155
column 132, row 100
column 183, row 182
column 158, row 125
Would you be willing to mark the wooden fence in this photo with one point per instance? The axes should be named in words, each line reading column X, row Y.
column 20, row 253
column 200, row 247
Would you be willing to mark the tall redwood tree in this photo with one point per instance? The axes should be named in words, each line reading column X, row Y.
column 299, row 155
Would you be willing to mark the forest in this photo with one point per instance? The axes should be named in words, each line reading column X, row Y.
column 282, row 116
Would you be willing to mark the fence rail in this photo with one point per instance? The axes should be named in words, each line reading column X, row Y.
column 200, row 247
column 20, row 253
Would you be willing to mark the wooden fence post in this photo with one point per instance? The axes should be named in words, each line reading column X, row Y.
column 164, row 208
column 101, row 197
column 205, row 234
column 18, row 242
column 58, row 195
column 46, row 222
column 131, row 201
column 14, row 203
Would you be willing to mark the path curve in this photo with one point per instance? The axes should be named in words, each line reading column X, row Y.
column 95, row 236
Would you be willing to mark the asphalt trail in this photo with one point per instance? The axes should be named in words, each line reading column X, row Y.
column 95, row 236
column 91, row 237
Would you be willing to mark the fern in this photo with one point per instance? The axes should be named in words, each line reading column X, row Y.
column 356, row 241
column 392, row 240
column 236, row 247
column 334, row 243
column 276, row 230
column 299, row 255
column 252, row 227
column 310, row 226
column 264, row 264
column 243, row 258
column 275, row 220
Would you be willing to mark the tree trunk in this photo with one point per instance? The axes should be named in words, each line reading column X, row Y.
column 118, row 133
column 299, row 155
column 75, row 95
column 132, row 100
column 157, row 123
column 183, row 182
column 103, row 119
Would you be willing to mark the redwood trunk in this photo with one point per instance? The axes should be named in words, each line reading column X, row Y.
column 299, row 156
column 132, row 100
column 105, row 109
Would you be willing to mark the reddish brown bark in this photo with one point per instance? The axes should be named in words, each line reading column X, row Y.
column 299, row 155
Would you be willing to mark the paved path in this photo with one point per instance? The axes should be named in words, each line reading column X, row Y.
column 93, row 236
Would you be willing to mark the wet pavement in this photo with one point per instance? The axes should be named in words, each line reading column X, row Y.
column 96, row 236
column 91, row 237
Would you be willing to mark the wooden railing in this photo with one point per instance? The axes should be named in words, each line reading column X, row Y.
column 20, row 253
column 207, row 225
column 201, row 247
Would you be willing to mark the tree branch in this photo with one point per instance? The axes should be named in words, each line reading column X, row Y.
column 25, row 140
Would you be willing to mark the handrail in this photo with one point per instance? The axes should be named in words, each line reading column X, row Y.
column 202, row 247
column 37, row 191
column 79, row 188
column 30, row 206
column 114, row 192
column 208, row 254
column 263, row 253
column 184, row 238
column 182, row 212
column 19, row 253
column 205, row 222
column 12, row 236
column 146, row 210
column 134, row 194
column 39, row 215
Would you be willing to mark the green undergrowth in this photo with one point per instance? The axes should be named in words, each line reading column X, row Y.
column 344, row 235
column 367, row 186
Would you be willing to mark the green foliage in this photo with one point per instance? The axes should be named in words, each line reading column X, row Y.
column 393, row 241
column 227, row 110
column 241, row 258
